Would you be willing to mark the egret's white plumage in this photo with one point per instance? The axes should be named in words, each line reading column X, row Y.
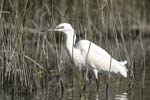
column 99, row 59
column 86, row 53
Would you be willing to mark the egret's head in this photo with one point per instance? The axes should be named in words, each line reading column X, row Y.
column 64, row 27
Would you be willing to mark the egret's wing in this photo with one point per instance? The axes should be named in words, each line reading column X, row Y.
column 99, row 57
column 95, row 55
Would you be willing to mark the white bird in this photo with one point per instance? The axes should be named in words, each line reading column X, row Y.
column 86, row 53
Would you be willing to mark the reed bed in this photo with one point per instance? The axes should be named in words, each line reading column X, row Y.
column 32, row 59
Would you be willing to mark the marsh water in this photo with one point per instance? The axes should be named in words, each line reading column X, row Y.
column 117, row 90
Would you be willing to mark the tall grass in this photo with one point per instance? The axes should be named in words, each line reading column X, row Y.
column 30, row 59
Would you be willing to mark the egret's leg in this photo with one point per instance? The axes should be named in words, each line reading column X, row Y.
column 62, row 88
column 86, row 74
column 97, row 84
column 85, row 77
column 96, row 77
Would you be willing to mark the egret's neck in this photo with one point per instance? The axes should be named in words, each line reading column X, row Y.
column 70, row 42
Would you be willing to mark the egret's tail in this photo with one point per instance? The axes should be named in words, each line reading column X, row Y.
column 123, row 69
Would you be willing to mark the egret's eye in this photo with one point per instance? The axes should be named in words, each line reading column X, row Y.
column 60, row 27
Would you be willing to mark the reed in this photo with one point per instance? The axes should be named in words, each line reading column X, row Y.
column 31, row 59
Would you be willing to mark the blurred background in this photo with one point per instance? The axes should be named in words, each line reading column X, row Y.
column 34, row 63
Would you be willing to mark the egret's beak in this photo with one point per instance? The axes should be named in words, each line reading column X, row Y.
column 58, row 28
column 51, row 29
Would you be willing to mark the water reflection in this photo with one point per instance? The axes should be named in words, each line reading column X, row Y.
column 88, row 96
column 122, row 96
column 97, row 96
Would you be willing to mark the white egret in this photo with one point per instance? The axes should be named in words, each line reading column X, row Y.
column 86, row 53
